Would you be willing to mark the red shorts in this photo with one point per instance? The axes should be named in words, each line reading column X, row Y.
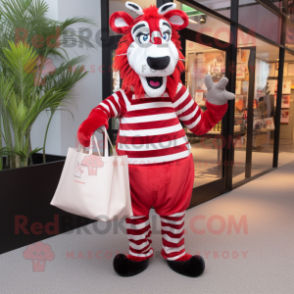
column 167, row 187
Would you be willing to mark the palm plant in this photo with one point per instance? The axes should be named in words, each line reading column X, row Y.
column 23, row 101
column 5, row 128
column 23, row 91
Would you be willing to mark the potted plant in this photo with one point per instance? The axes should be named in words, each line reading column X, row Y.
column 27, row 189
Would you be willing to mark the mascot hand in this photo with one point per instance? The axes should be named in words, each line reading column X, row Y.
column 97, row 120
column 217, row 93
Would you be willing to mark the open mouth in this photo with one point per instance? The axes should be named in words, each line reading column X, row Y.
column 154, row 82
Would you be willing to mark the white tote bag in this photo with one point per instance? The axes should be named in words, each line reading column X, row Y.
column 93, row 186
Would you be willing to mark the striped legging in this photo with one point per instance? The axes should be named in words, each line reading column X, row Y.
column 139, row 235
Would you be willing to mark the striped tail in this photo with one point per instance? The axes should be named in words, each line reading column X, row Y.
column 172, row 228
column 139, row 232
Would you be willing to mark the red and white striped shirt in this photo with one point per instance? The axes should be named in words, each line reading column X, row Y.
column 150, row 131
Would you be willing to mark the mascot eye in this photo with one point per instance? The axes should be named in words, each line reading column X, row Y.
column 166, row 36
column 143, row 39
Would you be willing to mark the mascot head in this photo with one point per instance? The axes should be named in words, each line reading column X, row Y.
column 148, row 55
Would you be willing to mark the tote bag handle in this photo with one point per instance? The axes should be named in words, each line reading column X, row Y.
column 106, row 140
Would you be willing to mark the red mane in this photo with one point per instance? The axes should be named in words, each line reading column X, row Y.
column 131, row 80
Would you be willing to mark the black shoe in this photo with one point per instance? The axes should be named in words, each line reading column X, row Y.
column 127, row 268
column 193, row 267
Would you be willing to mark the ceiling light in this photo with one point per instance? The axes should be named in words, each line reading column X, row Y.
column 202, row 19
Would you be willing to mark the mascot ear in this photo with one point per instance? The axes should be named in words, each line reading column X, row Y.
column 178, row 19
column 120, row 22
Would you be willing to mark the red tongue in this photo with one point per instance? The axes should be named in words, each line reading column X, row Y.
column 154, row 84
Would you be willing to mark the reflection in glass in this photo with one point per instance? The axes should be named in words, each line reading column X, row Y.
column 291, row 9
column 254, row 16
column 241, row 113
column 263, row 86
column 287, row 108
column 220, row 6
column 206, row 24
column 289, row 42
column 206, row 150
column 263, row 115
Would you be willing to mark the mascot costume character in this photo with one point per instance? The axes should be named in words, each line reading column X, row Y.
column 150, row 105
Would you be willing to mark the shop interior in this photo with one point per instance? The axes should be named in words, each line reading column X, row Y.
column 202, row 60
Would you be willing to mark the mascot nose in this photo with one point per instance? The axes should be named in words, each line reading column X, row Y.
column 158, row 63
column 157, row 41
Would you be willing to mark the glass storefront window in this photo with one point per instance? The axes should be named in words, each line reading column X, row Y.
column 287, row 106
column 206, row 24
column 241, row 112
column 260, row 20
column 202, row 60
column 289, row 42
column 119, row 5
column 222, row 7
column 278, row 3
column 264, row 111
column 256, row 83
column 291, row 9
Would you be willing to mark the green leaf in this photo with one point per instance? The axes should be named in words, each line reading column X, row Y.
column 36, row 150
column 22, row 58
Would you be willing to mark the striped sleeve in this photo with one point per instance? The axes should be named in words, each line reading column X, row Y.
column 113, row 105
column 192, row 116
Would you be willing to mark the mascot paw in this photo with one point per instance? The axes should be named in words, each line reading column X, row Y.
column 192, row 267
column 127, row 268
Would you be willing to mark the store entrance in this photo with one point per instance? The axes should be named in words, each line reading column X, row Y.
column 206, row 55
column 246, row 136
